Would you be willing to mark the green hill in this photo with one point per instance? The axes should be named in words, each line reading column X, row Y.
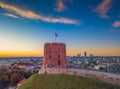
column 64, row 81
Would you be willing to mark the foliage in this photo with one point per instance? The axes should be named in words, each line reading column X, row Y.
column 63, row 81
column 12, row 77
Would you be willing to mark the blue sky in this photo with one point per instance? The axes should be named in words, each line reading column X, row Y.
column 84, row 25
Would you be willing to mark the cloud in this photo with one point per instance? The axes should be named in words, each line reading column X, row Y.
column 116, row 24
column 60, row 6
column 103, row 8
column 11, row 15
column 31, row 15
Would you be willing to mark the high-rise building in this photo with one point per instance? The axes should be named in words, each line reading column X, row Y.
column 78, row 55
column 85, row 54
column 91, row 56
column 55, row 55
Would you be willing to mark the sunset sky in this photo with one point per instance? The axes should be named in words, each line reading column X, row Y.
column 84, row 25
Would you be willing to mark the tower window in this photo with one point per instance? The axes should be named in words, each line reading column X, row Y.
column 50, row 56
column 58, row 56
column 58, row 62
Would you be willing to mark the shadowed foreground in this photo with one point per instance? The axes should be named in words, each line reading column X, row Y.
column 64, row 81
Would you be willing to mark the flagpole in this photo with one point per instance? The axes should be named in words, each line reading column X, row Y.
column 56, row 36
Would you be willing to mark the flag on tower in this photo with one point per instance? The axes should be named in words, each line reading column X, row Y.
column 56, row 35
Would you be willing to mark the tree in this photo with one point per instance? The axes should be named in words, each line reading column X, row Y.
column 6, row 79
column 14, row 78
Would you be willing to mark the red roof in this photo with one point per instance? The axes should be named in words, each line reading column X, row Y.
column 22, row 81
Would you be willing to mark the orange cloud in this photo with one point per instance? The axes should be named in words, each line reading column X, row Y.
column 103, row 8
column 60, row 6
column 11, row 15
column 116, row 24
column 31, row 15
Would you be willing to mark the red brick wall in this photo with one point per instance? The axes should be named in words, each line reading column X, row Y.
column 55, row 54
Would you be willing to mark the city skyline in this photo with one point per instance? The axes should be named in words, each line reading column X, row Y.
column 92, row 26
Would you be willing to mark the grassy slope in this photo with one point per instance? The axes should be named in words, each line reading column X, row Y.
column 63, row 81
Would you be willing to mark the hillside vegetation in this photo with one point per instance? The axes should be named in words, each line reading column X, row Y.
column 64, row 81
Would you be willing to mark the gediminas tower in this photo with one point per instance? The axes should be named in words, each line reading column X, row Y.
column 55, row 55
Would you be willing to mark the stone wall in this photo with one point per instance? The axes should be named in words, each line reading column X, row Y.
column 103, row 76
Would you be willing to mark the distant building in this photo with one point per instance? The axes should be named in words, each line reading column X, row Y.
column 55, row 55
column 78, row 55
column 91, row 56
column 85, row 54
column 100, row 67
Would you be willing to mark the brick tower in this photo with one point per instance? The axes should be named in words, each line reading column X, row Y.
column 55, row 55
